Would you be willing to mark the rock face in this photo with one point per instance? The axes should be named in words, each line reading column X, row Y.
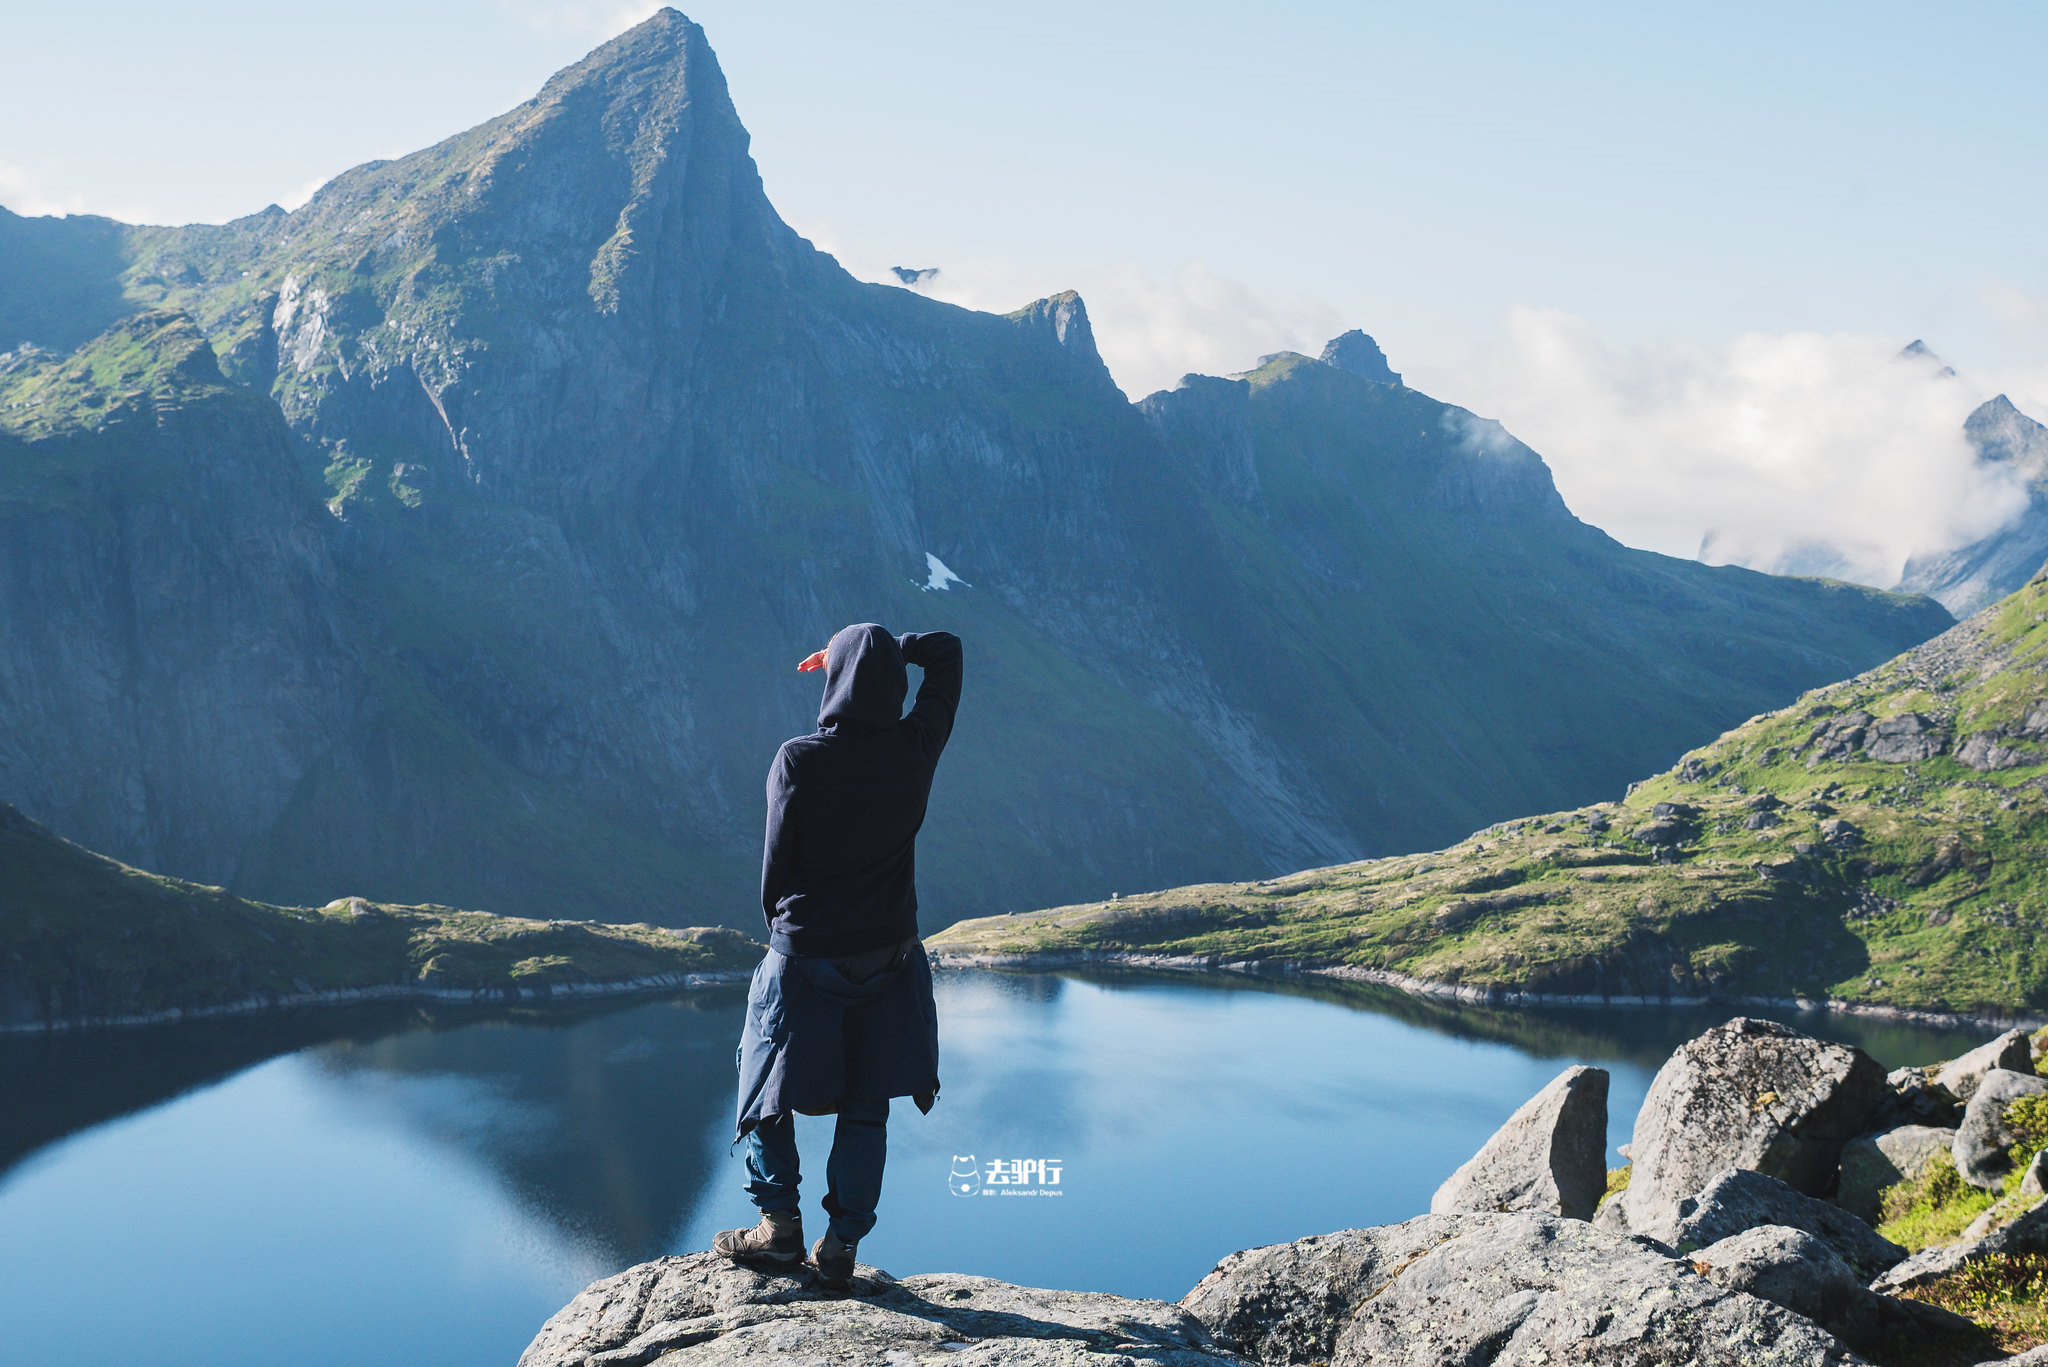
column 1741, row 1200
column 1288, row 1303
column 606, row 446
column 702, row 1309
column 1494, row 1288
column 1873, row 1162
column 1747, row 1094
column 1549, row 1156
column 2009, row 1051
column 1976, row 575
column 1980, row 1145
column 1793, row 1269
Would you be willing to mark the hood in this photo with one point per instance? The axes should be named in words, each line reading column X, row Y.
column 865, row 681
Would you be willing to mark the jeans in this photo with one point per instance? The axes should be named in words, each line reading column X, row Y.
column 853, row 1174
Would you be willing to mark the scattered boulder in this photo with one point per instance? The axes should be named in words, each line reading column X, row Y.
column 1670, row 832
column 1840, row 834
column 1840, row 737
column 1903, row 739
column 1916, row 1099
column 707, row 1311
column 1981, row 1142
column 2009, row 1051
column 1748, row 1094
column 1456, row 1289
column 1984, row 752
column 1877, row 1161
column 1793, row 1269
column 1740, row 1200
column 1549, row 1156
column 1761, row 821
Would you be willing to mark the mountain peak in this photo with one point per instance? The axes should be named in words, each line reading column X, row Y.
column 1062, row 318
column 1917, row 350
column 1361, row 355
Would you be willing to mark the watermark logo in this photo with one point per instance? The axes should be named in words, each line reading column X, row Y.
column 1005, row 1176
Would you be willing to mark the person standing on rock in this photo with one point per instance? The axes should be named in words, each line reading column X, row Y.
column 840, row 1016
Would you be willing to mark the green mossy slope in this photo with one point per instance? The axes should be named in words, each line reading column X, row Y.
column 1880, row 841
column 83, row 938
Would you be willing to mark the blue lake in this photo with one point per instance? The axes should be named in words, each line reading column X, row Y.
column 402, row 1187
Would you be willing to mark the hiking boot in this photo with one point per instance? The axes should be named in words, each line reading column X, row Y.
column 779, row 1238
column 834, row 1261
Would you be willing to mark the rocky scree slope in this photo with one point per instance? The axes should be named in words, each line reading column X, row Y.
column 1746, row 1267
column 1878, row 842
column 85, row 940
column 604, row 447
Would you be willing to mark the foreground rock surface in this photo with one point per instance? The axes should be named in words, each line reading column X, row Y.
column 1748, row 1094
column 1741, row 1200
column 701, row 1309
column 1550, row 1156
column 1792, row 1268
column 1521, row 1288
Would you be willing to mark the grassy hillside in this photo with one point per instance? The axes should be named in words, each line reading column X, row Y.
column 1879, row 841
column 83, row 937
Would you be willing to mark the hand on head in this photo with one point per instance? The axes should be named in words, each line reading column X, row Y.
column 814, row 660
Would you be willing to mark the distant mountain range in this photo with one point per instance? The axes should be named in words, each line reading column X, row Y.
column 454, row 537
column 1983, row 572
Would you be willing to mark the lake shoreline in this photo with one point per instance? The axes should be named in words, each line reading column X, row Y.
column 1469, row 995
column 510, row 995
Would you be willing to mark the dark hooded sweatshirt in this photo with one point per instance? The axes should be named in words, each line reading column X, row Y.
column 838, row 869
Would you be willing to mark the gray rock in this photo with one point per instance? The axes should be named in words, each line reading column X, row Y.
column 1664, row 833
column 1287, row 1303
column 1791, row 1268
column 1747, row 1094
column 1539, row 1289
column 1980, row 1144
column 2009, row 1051
column 1917, row 1100
column 701, row 1309
column 1549, row 1156
column 2026, row 1233
column 2033, row 1357
column 1984, row 752
column 1740, row 1200
column 1876, row 1161
column 1904, row 738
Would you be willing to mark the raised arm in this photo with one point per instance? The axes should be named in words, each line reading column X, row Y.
column 937, row 653
column 778, row 850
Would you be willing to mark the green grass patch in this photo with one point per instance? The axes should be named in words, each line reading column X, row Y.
column 1932, row 1208
column 2006, row 1293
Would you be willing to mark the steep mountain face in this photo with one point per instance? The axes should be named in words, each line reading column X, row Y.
column 1985, row 571
column 606, row 448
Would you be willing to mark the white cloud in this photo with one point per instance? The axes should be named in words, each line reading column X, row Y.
column 1150, row 331
column 1799, row 451
column 593, row 19
column 20, row 192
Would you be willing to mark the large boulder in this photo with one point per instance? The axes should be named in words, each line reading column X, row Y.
column 1549, row 1156
column 1748, row 1094
column 1740, row 1200
column 1981, row 1144
column 1456, row 1289
column 1287, row 1303
column 2009, row 1051
column 700, row 1310
column 1876, row 1161
column 1792, row 1268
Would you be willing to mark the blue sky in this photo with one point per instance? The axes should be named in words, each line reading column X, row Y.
column 1634, row 192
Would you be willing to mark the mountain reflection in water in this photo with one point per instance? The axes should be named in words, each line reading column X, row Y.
column 392, row 1184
